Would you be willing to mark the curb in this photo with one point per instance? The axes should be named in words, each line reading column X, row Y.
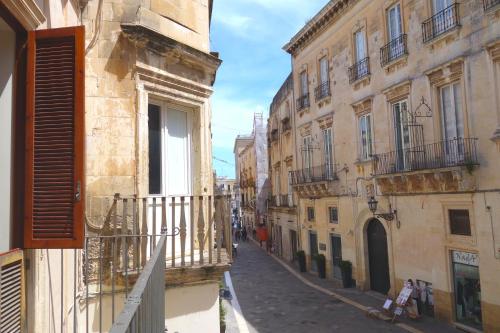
column 369, row 311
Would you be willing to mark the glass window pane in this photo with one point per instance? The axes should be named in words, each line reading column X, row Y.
column 459, row 222
column 154, row 127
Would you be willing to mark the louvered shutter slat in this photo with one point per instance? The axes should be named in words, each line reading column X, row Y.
column 55, row 139
column 11, row 291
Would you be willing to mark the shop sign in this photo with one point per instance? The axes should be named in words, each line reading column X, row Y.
column 465, row 258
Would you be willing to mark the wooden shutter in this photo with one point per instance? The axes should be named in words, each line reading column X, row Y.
column 12, row 291
column 55, row 139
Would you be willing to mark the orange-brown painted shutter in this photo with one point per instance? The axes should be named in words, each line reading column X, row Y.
column 55, row 139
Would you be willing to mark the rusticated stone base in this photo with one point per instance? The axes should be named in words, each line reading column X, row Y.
column 443, row 305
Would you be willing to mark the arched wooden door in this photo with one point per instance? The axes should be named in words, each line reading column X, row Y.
column 377, row 256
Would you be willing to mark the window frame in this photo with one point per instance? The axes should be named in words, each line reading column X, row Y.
column 164, row 108
column 330, row 209
column 310, row 214
column 369, row 146
column 450, row 223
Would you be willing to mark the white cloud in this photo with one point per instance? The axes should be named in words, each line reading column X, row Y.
column 231, row 117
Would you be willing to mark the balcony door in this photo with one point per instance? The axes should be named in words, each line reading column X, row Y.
column 170, row 171
column 328, row 151
column 401, row 135
column 394, row 30
column 441, row 22
column 452, row 122
column 307, row 157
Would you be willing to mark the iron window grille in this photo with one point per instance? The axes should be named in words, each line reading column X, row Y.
column 440, row 23
column 322, row 91
column 333, row 215
column 310, row 213
column 395, row 49
column 359, row 70
column 303, row 102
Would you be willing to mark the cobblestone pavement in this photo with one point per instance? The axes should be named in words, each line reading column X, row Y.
column 273, row 301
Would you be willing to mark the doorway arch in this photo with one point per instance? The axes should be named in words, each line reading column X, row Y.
column 378, row 258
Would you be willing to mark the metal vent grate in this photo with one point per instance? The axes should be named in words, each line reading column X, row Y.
column 11, row 291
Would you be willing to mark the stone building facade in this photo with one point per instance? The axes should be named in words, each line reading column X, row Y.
column 281, row 151
column 148, row 76
column 396, row 104
column 252, row 173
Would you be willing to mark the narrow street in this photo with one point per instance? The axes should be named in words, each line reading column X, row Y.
column 273, row 300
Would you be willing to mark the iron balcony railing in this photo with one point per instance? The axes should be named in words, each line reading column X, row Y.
column 395, row 49
column 303, row 102
column 314, row 174
column 322, row 91
column 440, row 23
column 359, row 70
column 488, row 4
column 144, row 309
column 443, row 154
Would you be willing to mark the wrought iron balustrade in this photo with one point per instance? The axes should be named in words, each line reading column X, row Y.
column 144, row 309
column 314, row 174
column 440, row 23
column 395, row 49
column 442, row 154
column 322, row 90
column 488, row 4
column 359, row 70
column 303, row 102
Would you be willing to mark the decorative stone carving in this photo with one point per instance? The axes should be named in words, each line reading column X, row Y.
column 397, row 91
column 445, row 73
column 305, row 129
column 325, row 121
column 363, row 107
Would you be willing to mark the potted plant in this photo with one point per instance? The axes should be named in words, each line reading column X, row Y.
column 346, row 268
column 321, row 262
column 301, row 257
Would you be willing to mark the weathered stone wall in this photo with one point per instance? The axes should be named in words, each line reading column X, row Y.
column 468, row 55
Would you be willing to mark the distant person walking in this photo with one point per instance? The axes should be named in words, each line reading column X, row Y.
column 262, row 234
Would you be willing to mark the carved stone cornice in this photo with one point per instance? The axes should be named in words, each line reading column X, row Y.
column 325, row 121
column 494, row 50
column 448, row 72
column 363, row 106
column 397, row 91
column 174, row 51
column 26, row 12
column 305, row 129
column 319, row 23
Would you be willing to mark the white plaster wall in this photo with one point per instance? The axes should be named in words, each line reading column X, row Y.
column 7, row 36
column 193, row 309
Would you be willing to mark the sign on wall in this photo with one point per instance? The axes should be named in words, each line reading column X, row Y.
column 465, row 258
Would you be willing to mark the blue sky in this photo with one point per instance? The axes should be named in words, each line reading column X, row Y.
column 249, row 35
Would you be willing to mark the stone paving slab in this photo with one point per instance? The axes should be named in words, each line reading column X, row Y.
column 373, row 301
column 273, row 300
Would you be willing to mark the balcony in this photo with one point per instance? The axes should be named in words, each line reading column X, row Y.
column 440, row 23
column 489, row 4
column 395, row 49
column 436, row 167
column 322, row 91
column 318, row 181
column 281, row 201
column 359, row 70
column 303, row 102
column 134, row 250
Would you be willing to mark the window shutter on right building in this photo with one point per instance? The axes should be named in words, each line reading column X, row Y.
column 55, row 139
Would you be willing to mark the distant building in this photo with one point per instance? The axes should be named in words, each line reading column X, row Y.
column 252, row 174
column 282, row 154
